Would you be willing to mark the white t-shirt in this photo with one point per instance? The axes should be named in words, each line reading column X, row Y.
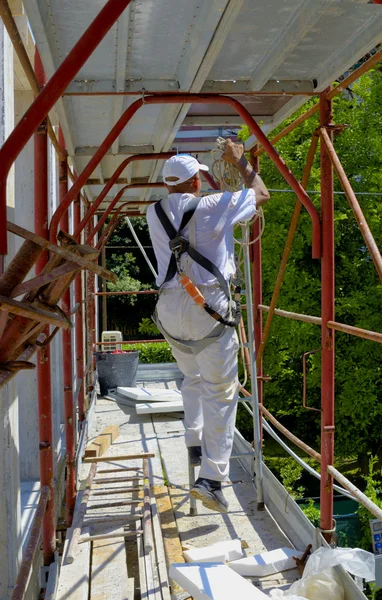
column 210, row 231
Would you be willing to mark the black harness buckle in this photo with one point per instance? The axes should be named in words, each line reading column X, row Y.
column 178, row 245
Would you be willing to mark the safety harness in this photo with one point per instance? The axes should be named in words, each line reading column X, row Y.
column 180, row 245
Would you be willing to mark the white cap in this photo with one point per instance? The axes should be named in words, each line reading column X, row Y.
column 183, row 167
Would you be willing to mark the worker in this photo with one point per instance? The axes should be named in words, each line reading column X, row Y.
column 193, row 240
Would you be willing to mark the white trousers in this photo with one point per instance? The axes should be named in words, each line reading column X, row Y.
column 210, row 386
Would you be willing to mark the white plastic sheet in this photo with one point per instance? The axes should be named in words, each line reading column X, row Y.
column 320, row 579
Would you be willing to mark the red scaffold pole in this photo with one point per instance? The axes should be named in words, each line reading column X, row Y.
column 327, row 335
column 79, row 325
column 43, row 363
column 67, row 359
column 49, row 96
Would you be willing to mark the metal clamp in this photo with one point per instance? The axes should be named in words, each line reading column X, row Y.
column 179, row 245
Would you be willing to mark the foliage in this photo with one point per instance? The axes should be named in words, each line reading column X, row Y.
column 372, row 491
column 358, row 290
column 126, row 312
column 311, row 511
column 290, row 473
column 152, row 352
column 148, row 327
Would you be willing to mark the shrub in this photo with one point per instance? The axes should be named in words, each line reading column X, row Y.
column 152, row 352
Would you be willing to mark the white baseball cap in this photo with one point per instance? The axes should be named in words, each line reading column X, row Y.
column 181, row 166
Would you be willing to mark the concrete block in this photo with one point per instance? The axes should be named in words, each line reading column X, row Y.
column 220, row 552
column 213, row 581
column 266, row 563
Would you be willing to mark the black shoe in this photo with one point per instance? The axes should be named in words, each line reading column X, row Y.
column 195, row 455
column 210, row 493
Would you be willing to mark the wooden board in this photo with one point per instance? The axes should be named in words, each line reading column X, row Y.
column 170, row 533
column 74, row 578
column 109, row 567
column 102, row 442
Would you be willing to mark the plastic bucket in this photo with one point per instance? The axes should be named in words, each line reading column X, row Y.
column 116, row 370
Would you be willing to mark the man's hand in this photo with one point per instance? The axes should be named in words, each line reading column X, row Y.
column 233, row 152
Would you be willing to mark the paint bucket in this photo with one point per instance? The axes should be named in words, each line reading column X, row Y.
column 116, row 369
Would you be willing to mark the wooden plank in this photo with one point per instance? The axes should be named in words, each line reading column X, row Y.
column 160, row 552
column 118, row 479
column 170, row 535
column 74, row 577
column 78, row 518
column 33, row 312
column 108, row 570
column 83, row 262
column 102, row 442
column 103, row 492
column 119, row 457
column 110, row 536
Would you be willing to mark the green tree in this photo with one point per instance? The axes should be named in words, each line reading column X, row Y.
column 358, row 289
column 126, row 260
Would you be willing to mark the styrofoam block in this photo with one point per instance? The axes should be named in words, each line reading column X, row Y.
column 159, row 407
column 266, row 563
column 142, row 394
column 219, row 552
column 213, row 581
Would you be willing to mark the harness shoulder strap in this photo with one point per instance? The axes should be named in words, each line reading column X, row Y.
column 165, row 221
column 192, row 252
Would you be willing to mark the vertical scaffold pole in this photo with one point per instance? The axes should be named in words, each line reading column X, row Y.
column 44, row 387
column 67, row 358
column 90, row 320
column 253, row 373
column 327, row 335
column 79, row 331
column 257, row 290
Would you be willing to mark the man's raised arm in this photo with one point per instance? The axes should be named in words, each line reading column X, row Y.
column 234, row 154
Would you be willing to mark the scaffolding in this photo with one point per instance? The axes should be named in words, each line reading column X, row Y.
column 27, row 326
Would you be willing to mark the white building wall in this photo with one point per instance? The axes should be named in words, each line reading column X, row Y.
column 9, row 402
column 26, row 380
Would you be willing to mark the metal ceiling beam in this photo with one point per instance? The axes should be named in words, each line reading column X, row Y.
column 119, row 181
column 122, row 87
column 217, row 17
column 125, row 28
column 123, row 150
column 273, row 86
column 86, row 87
column 221, row 120
column 301, row 22
column 99, row 171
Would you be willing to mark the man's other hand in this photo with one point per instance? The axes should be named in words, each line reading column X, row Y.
column 233, row 152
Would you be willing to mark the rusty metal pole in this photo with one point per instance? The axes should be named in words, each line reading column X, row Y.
column 327, row 335
column 90, row 338
column 44, row 388
column 79, row 332
column 257, row 293
column 67, row 358
column 104, row 289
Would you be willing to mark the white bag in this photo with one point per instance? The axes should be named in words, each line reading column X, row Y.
column 320, row 580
